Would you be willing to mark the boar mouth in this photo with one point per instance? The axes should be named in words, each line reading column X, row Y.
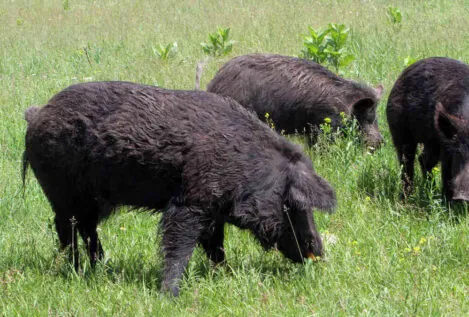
column 311, row 256
column 461, row 197
column 373, row 140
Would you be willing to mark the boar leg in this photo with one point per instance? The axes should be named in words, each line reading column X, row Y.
column 213, row 243
column 429, row 158
column 87, row 228
column 66, row 226
column 93, row 244
column 182, row 229
column 58, row 192
column 406, row 154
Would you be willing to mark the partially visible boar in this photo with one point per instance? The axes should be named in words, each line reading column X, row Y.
column 202, row 159
column 429, row 104
column 298, row 94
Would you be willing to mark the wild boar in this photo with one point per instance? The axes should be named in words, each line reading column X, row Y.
column 201, row 159
column 298, row 94
column 429, row 104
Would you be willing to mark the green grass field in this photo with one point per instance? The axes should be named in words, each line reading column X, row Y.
column 385, row 257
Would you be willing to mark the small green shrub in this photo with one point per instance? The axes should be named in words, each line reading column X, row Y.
column 338, row 55
column 409, row 61
column 315, row 45
column 394, row 15
column 218, row 43
column 328, row 46
column 165, row 52
column 338, row 131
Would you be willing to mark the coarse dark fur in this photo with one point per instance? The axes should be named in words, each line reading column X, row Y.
column 429, row 104
column 201, row 158
column 298, row 94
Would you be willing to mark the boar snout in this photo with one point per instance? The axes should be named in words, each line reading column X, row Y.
column 458, row 189
column 461, row 196
column 374, row 140
column 315, row 248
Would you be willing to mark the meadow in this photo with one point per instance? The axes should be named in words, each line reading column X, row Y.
column 385, row 256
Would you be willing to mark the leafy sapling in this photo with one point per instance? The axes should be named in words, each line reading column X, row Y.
column 328, row 46
column 338, row 56
column 315, row 45
column 218, row 43
column 165, row 52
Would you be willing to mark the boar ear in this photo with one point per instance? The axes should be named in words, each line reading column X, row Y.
column 311, row 191
column 379, row 90
column 360, row 107
column 446, row 124
column 323, row 196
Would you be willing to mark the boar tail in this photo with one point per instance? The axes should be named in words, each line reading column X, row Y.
column 198, row 72
column 30, row 113
column 24, row 170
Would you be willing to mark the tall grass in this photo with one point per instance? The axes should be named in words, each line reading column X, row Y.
column 385, row 256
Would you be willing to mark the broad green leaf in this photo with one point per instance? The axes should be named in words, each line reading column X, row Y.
column 313, row 32
column 346, row 60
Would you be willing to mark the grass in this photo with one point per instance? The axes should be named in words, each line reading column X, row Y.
column 384, row 256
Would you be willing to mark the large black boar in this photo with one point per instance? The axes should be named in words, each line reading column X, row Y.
column 202, row 158
column 298, row 94
column 429, row 104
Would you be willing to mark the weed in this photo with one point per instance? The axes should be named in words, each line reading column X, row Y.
column 338, row 55
column 315, row 45
column 269, row 121
column 338, row 130
column 165, row 52
column 409, row 61
column 394, row 15
column 328, row 46
column 218, row 43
